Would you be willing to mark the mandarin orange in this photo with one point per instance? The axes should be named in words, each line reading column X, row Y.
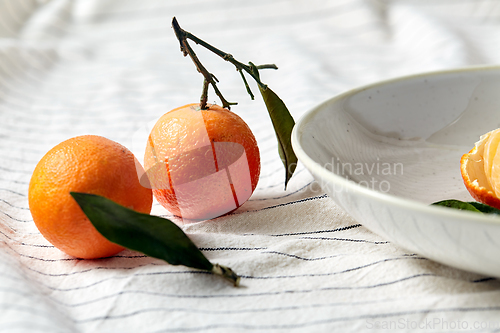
column 90, row 164
column 480, row 169
column 202, row 163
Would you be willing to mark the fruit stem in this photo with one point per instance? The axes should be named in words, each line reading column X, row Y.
column 227, row 273
column 204, row 94
column 249, row 91
column 186, row 49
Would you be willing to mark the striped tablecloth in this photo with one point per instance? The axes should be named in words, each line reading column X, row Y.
column 112, row 67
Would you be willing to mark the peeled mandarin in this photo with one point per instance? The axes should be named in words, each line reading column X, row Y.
column 480, row 169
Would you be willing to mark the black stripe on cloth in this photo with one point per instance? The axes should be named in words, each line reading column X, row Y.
column 245, row 295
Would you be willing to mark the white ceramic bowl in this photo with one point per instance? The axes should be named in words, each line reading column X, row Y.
column 384, row 152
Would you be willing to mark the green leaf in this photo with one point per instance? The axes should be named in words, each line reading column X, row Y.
column 457, row 204
column 485, row 208
column 472, row 206
column 152, row 235
column 283, row 124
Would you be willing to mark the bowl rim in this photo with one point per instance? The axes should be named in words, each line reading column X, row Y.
column 407, row 204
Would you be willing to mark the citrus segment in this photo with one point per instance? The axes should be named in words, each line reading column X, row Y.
column 492, row 161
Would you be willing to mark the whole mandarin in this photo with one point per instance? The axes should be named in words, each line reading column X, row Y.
column 202, row 163
column 90, row 164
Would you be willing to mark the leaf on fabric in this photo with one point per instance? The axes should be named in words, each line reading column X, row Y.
column 152, row 235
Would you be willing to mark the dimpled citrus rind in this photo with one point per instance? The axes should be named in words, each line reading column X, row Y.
column 188, row 129
column 88, row 164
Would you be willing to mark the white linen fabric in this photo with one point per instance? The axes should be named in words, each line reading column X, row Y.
column 111, row 67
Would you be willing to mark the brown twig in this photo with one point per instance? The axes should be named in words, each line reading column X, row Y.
column 209, row 78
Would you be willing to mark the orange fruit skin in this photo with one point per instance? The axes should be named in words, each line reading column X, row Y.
column 89, row 164
column 205, row 163
column 479, row 193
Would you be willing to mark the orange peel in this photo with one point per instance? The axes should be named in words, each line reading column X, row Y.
column 480, row 169
column 202, row 164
